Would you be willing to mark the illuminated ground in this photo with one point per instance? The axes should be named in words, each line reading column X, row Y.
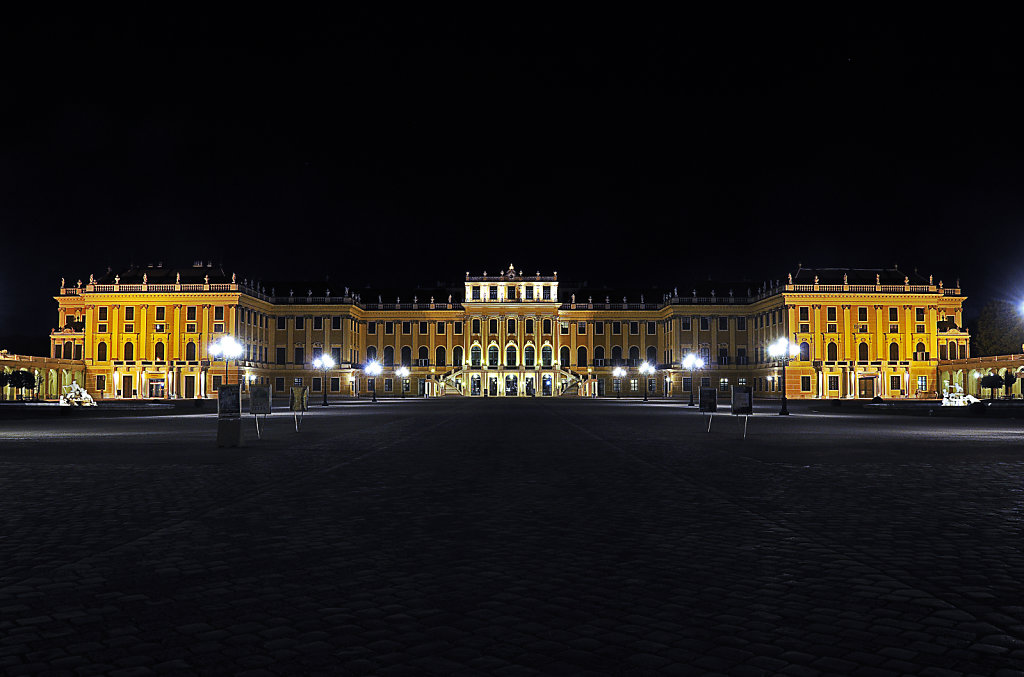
column 497, row 537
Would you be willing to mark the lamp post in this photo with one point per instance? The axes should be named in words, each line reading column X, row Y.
column 646, row 368
column 373, row 370
column 228, row 348
column 619, row 373
column 324, row 362
column 783, row 351
column 403, row 373
column 692, row 362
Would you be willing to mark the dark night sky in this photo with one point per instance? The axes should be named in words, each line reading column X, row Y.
column 623, row 154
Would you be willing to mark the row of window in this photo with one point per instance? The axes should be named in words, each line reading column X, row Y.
column 510, row 292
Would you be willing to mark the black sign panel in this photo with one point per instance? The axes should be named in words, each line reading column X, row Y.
column 708, row 399
column 742, row 400
column 259, row 399
column 229, row 401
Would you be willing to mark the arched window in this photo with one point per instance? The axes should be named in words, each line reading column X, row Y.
column 57, row 350
column 634, row 353
column 920, row 348
column 598, row 353
column 101, row 352
column 190, row 351
column 68, row 350
column 406, row 356
column 563, row 357
column 863, row 352
column 616, row 355
column 158, row 351
column 832, row 352
column 529, row 354
column 439, row 356
column 547, row 326
column 389, row 356
column 805, row 352
column 371, row 353
column 423, row 353
column 581, row 356
column 894, row 351
column 545, row 356
column 952, row 350
column 475, row 355
column 510, row 356
column 457, row 356
column 129, row 351
column 492, row 356
column 652, row 355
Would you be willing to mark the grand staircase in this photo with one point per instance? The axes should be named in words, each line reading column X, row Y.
column 448, row 382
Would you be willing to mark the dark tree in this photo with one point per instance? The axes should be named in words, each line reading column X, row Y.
column 1009, row 380
column 4, row 379
column 992, row 381
column 1000, row 330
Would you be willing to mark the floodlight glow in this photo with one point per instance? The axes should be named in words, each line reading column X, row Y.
column 646, row 367
column 324, row 362
column 692, row 362
column 402, row 372
column 782, row 349
column 618, row 372
column 372, row 368
column 226, row 347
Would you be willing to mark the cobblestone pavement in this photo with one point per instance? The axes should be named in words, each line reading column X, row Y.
column 555, row 537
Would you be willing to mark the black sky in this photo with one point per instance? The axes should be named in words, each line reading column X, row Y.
column 637, row 153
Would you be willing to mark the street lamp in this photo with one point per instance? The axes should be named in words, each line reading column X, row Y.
column 619, row 373
column 324, row 362
column 373, row 370
column 403, row 373
column 783, row 351
column 692, row 362
column 228, row 348
column 646, row 368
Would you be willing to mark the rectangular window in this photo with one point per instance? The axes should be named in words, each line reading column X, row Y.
column 218, row 313
column 634, row 327
column 831, row 328
column 476, row 326
column 723, row 324
column 831, row 313
column 741, row 323
column 529, row 293
column 805, row 384
column 833, row 383
column 741, row 381
column 300, row 355
column 492, row 293
column 684, row 324
column 101, row 383
column 529, row 326
column 371, row 327
column 336, row 322
column 279, row 383
column 458, row 329
column 439, row 328
column 129, row 313
column 705, row 381
column 216, row 383
column 389, row 327
column 492, row 326
column 190, row 313
column 919, row 329
column 476, row 292
column 652, row 328
column 300, row 323
column 894, row 382
column 103, row 313
column 563, row 328
column 510, row 292
column 894, row 315
column 317, row 384
column 723, row 384
column 281, row 322
column 705, row 324
column 190, row 328
column 894, row 328
column 335, row 384
column 160, row 328
column 510, row 326
column 862, row 314
column 336, row 355
column 920, row 314
column 388, row 385
column 318, row 323
column 687, row 384
column 297, row 381
column 633, row 385
column 616, row 328
column 129, row 328
column 805, row 314
column 101, row 328
column 546, row 293
column 371, row 384
column 581, row 327
column 161, row 313
column 922, row 383
column 599, row 328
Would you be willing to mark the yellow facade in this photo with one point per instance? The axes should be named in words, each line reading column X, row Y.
column 147, row 334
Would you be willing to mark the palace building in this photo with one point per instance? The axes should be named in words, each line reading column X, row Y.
column 145, row 332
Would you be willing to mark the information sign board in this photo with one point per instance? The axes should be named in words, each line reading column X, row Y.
column 299, row 399
column 708, row 400
column 742, row 400
column 229, row 402
column 259, row 399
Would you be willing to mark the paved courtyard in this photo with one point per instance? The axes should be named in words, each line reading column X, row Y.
column 512, row 538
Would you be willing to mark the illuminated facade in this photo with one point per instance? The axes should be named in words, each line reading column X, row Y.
column 146, row 333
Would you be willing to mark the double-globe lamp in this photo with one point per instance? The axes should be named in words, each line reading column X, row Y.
column 373, row 370
column 646, row 368
column 324, row 362
column 226, row 348
column 619, row 373
column 783, row 351
column 402, row 373
column 693, row 363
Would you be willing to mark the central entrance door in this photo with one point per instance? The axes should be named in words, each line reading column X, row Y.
column 546, row 385
column 866, row 388
column 190, row 387
column 529, row 386
column 156, row 387
column 474, row 385
column 511, row 385
column 493, row 386
column 126, row 386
